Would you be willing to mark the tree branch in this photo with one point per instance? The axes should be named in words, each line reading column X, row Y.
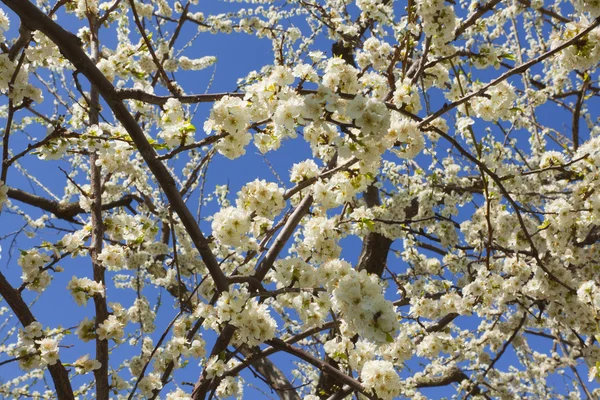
column 59, row 374
column 66, row 211
column 69, row 45
column 517, row 70
column 100, row 306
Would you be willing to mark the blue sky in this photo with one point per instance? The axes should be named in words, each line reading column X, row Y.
column 237, row 55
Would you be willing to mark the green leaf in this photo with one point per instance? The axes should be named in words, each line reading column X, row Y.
column 188, row 127
column 544, row 225
column 389, row 338
column 368, row 223
column 161, row 146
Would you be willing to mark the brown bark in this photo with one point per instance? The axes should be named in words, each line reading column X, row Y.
column 70, row 46
column 60, row 376
column 100, row 374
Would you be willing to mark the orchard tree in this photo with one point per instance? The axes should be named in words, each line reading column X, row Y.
column 419, row 203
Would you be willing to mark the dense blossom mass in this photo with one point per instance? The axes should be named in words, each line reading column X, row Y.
column 401, row 201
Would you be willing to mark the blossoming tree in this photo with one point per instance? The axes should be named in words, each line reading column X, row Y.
column 457, row 142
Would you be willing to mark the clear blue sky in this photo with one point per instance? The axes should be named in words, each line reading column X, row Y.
column 237, row 55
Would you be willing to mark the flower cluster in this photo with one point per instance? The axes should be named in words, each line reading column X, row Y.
column 301, row 171
column 196, row 64
column 3, row 194
column 340, row 188
column 4, row 24
column 110, row 328
column 149, row 383
column 231, row 226
column 253, row 320
column 480, row 209
column 375, row 53
column 176, row 129
column 339, row 75
column 358, row 296
column 48, row 348
column 497, row 104
column 83, row 289
column 320, row 239
column 585, row 53
column 261, row 197
column 140, row 312
column 84, row 365
column 230, row 115
column 406, row 95
column 380, row 377
column 115, row 157
column 33, row 263
column 406, row 132
column 439, row 21
column 20, row 88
